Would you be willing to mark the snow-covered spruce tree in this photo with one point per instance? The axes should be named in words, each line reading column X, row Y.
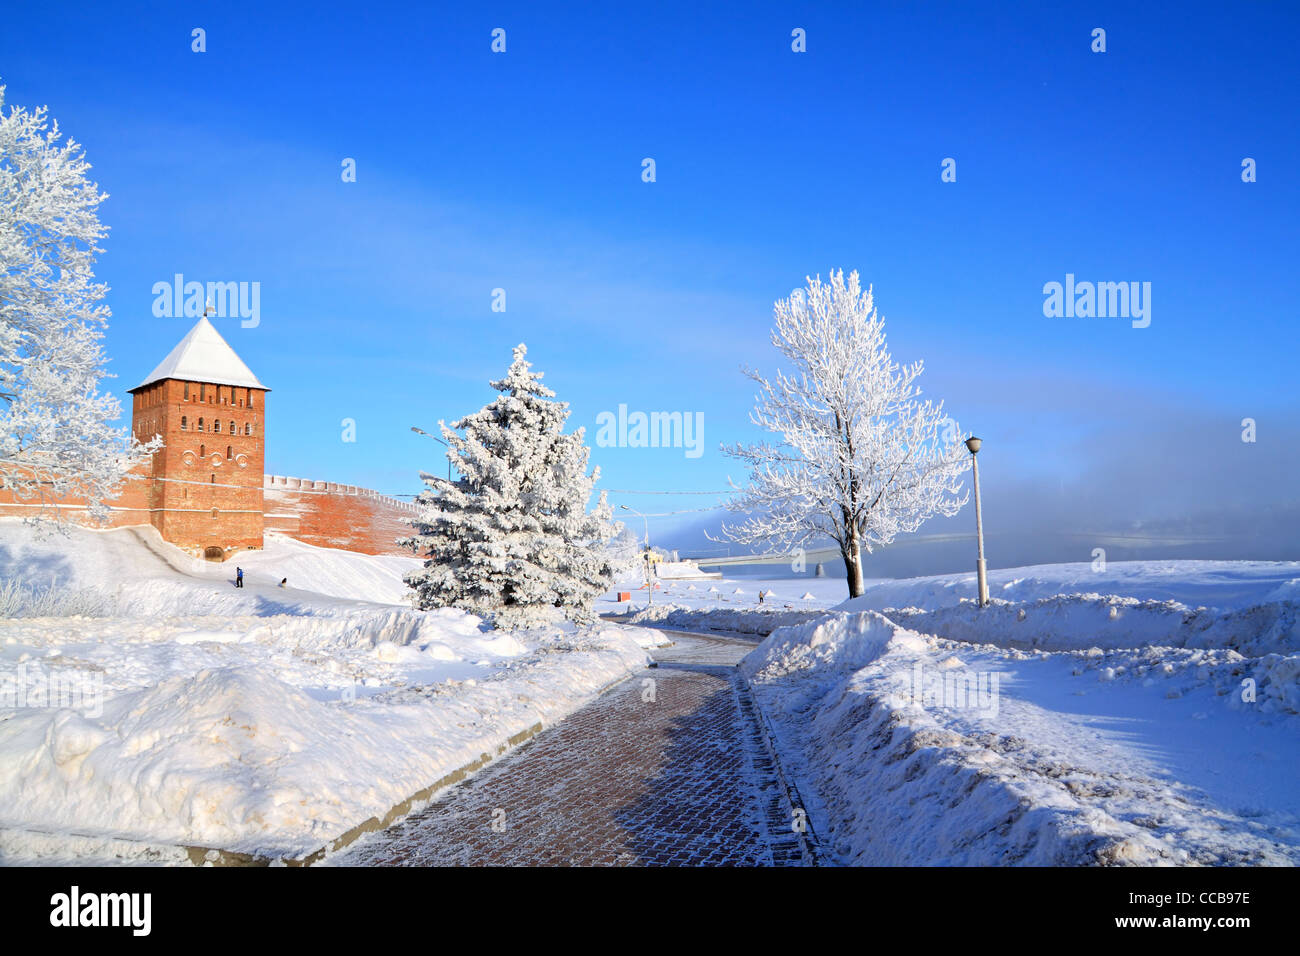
column 512, row 538
column 56, row 434
column 860, row 458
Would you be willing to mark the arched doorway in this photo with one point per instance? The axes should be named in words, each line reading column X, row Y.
column 214, row 553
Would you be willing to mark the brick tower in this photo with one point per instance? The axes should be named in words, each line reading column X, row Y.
column 205, row 492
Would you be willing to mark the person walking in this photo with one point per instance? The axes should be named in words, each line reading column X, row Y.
column 239, row 577
column 283, row 582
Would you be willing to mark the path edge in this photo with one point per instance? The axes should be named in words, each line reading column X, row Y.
column 810, row 846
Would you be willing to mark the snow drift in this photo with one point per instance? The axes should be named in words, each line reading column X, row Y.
column 264, row 720
column 1079, row 621
column 896, row 776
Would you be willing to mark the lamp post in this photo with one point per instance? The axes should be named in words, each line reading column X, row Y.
column 421, row 431
column 649, row 582
column 974, row 444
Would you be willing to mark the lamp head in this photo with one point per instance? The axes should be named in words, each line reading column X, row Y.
column 973, row 444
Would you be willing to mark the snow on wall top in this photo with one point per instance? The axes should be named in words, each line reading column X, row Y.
column 309, row 486
column 203, row 356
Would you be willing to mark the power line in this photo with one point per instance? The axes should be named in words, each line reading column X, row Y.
column 684, row 511
column 624, row 491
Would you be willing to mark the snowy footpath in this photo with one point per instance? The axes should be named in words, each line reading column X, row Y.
column 668, row 769
column 146, row 702
column 1147, row 714
column 1152, row 727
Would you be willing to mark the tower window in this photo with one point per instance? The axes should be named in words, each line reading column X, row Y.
column 187, row 391
column 203, row 451
column 214, row 512
column 228, row 455
column 248, row 428
column 250, row 399
column 216, row 426
column 184, row 423
column 212, row 479
column 200, row 428
column 233, row 431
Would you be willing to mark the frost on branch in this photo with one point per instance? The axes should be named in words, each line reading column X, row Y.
column 858, row 457
column 57, row 440
column 512, row 539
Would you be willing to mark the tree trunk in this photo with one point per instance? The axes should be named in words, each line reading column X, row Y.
column 853, row 565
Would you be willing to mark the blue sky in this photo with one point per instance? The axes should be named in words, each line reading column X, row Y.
column 522, row 171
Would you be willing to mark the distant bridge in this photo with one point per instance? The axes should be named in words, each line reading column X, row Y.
column 832, row 552
column 825, row 553
column 812, row 555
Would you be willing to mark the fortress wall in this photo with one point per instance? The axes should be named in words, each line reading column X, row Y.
column 322, row 513
column 131, row 507
column 331, row 515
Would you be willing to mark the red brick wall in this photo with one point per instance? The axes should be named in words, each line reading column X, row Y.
column 130, row 507
column 336, row 516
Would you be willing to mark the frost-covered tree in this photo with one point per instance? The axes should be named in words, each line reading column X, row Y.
column 626, row 555
column 512, row 538
column 57, row 439
column 860, row 458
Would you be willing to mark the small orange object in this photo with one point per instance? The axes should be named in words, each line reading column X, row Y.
column 625, row 595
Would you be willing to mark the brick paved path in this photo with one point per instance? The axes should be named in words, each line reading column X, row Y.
column 680, row 779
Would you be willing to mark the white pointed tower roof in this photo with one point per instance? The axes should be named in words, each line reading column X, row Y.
column 203, row 356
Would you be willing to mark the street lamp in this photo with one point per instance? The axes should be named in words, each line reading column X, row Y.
column 649, row 583
column 974, row 444
column 421, row 431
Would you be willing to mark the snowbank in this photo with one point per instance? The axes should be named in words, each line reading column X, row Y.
column 1217, row 585
column 235, row 758
column 261, row 720
column 914, row 750
column 1076, row 622
column 736, row 620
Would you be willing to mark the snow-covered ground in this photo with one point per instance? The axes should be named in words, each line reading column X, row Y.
column 264, row 719
column 732, row 604
column 1144, row 714
column 1147, row 714
column 726, row 605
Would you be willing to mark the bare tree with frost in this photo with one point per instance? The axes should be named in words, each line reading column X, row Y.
column 57, row 438
column 859, row 458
